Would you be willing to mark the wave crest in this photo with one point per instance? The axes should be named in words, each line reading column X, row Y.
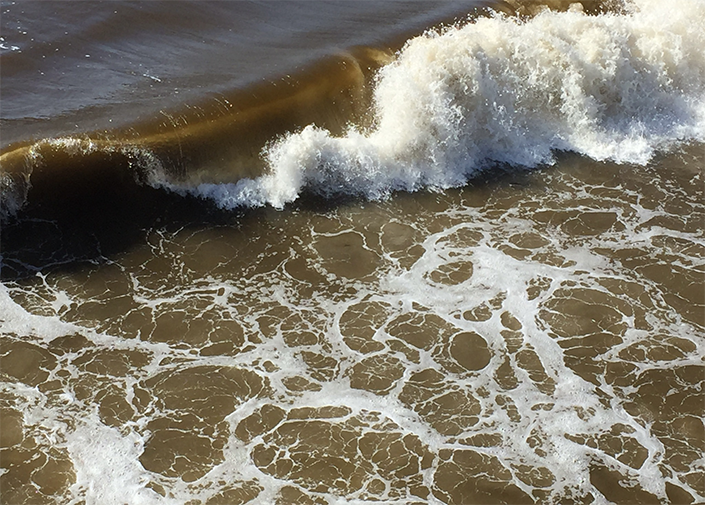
column 502, row 90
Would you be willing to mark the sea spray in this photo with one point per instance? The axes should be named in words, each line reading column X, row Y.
column 503, row 90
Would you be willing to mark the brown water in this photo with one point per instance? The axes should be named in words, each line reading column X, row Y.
column 530, row 336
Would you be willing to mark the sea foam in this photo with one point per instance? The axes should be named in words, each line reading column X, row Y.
column 503, row 90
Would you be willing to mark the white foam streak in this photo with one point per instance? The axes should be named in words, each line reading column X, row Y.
column 503, row 91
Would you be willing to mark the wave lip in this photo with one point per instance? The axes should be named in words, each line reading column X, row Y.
column 503, row 90
column 219, row 142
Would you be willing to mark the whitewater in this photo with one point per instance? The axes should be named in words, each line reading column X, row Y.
column 504, row 91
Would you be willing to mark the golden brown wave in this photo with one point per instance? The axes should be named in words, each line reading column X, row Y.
column 217, row 141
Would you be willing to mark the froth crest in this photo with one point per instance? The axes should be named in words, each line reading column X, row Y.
column 501, row 90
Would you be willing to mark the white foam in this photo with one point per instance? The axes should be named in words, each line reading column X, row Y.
column 14, row 319
column 106, row 460
column 107, row 467
column 501, row 90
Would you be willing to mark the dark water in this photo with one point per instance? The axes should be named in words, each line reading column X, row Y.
column 271, row 252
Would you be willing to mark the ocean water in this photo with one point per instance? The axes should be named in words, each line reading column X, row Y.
column 313, row 252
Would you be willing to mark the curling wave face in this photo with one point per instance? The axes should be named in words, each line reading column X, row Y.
column 502, row 90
